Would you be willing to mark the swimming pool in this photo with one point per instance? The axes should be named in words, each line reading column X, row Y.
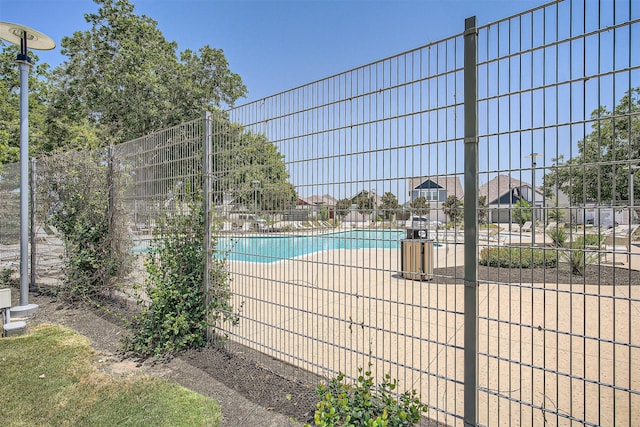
column 267, row 249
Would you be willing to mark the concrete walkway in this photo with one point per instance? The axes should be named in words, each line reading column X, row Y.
column 543, row 347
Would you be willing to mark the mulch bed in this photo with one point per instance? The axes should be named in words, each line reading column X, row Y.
column 599, row 275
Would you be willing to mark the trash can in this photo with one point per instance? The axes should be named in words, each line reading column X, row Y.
column 417, row 259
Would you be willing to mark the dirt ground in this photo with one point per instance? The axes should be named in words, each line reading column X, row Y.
column 252, row 388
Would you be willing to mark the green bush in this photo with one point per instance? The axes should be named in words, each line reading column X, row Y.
column 590, row 239
column 522, row 212
column 514, row 257
column 180, row 311
column 80, row 199
column 558, row 236
column 578, row 256
column 7, row 279
column 362, row 404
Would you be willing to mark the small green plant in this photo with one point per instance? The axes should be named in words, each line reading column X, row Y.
column 510, row 257
column 590, row 239
column 7, row 279
column 556, row 214
column 362, row 404
column 578, row 256
column 558, row 236
column 180, row 310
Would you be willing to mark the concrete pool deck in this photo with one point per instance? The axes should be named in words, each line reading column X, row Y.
column 548, row 345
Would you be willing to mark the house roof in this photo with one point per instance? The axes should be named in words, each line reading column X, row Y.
column 326, row 200
column 499, row 186
column 450, row 183
column 376, row 197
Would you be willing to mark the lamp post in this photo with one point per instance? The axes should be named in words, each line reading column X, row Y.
column 255, row 183
column 21, row 36
column 533, row 157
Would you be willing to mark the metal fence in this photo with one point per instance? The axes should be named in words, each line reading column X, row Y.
column 520, row 137
column 552, row 346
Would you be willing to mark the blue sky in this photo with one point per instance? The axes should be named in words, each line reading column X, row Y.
column 278, row 44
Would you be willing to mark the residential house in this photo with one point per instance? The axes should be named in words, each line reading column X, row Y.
column 435, row 190
column 503, row 192
column 355, row 216
column 312, row 206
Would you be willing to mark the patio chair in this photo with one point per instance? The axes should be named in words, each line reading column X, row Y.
column 526, row 226
column 615, row 245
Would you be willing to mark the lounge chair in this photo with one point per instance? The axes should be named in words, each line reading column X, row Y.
column 617, row 245
column 526, row 226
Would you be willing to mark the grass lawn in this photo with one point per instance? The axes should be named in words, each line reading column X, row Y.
column 48, row 378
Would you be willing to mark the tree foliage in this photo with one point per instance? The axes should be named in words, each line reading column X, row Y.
column 452, row 207
column 522, row 212
column 250, row 169
column 180, row 310
column 599, row 172
column 365, row 203
column 39, row 89
column 343, row 206
column 483, row 212
column 125, row 77
column 389, row 204
column 419, row 206
column 79, row 199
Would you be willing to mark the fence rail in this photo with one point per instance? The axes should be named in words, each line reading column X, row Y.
column 533, row 140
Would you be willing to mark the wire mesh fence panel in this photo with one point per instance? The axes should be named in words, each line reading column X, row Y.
column 10, row 214
column 558, row 123
column 374, row 155
column 161, row 174
column 318, row 249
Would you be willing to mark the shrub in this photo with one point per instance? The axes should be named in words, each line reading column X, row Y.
column 510, row 257
column 590, row 239
column 522, row 212
column 180, row 311
column 7, row 279
column 80, row 199
column 578, row 256
column 558, row 236
column 362, row 404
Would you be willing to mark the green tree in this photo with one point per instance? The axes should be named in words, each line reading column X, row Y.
column 389, row 204
column 599, row 172
column 522, row 212
column 125, row 77
column 10, row 105
column 343, row 206
column 365, row 203
column 482, row 210
column 250, row 169
column 419, row 206
column 452, row 207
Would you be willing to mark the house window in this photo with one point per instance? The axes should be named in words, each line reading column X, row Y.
column 430, row 195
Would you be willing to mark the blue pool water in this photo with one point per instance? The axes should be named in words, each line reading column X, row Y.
column 267, row 249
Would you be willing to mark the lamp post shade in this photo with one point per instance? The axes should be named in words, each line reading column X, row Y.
column 16, row 33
